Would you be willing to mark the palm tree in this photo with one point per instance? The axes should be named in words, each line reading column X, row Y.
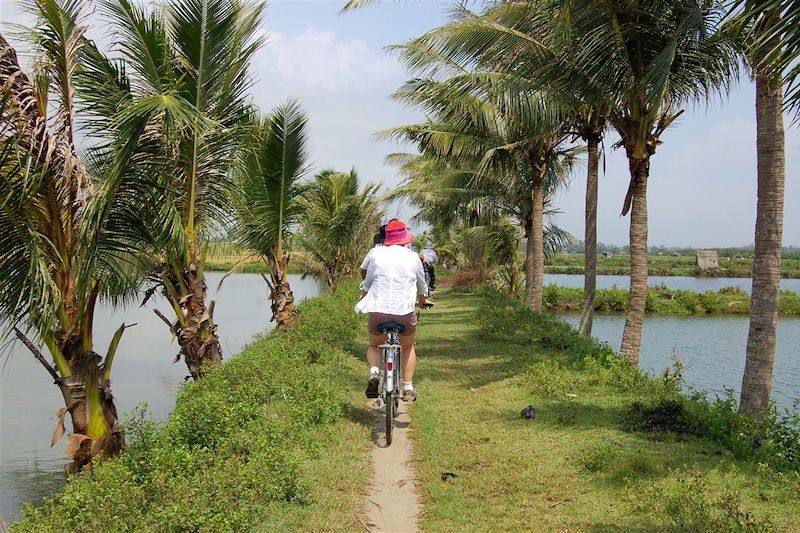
column 64, row 242
column 183, row 74
column 641, row 61
column 479, row 205
column 652, row 57
column 768, row 56
column 338, row 223
column 272, row 165
column 773, row 40
column 514, row 133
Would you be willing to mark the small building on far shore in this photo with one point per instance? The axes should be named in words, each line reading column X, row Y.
column 707, row 259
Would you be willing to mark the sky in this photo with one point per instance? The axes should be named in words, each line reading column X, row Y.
column 702, row 188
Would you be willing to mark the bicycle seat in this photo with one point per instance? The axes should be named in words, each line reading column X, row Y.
column 386, row 326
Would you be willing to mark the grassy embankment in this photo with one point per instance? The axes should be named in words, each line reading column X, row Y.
column 663, row 265
column 662, row 300
column 276, row 440
column 610, row 449
column 225, row 255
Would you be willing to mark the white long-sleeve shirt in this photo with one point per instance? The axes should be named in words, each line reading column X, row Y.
column 394, row 280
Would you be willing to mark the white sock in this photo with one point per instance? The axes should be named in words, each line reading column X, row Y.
column 374, row 371
column 408, row 385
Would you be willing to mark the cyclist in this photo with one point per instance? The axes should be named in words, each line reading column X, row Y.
column 393, row 282
column 429, row 258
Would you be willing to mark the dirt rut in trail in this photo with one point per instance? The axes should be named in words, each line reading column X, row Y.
column 393, row 502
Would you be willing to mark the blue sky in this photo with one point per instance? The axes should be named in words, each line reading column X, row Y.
column 702, row 189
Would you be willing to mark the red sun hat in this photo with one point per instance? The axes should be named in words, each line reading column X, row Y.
column 397, row 233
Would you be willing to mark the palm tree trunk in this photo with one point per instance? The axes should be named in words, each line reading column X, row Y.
column 87, row 399
column 534, row 252
column 283, row 308
column 590, row 238
column 637, row 298
column 280, row 293
column 198, row 337
column 757, row 378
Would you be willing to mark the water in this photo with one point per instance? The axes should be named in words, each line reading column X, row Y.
column 673, row 282
column 713, row 350
column 29, row 468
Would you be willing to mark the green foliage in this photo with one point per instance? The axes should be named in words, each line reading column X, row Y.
column 659, row 404
column 690, row 503
column 272, row 164
column 233, row 445
column 338, row 222
column 669, row 265
column 662, row 300
column 774, row 441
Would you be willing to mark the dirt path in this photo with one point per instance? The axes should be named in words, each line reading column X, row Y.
column 393, row 502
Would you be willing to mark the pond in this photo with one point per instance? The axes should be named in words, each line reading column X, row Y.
column 29, row 468
column 711, row 348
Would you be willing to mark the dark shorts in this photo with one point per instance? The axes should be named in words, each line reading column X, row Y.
column 375, row 319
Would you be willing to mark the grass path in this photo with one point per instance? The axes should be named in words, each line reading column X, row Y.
column 572, row 468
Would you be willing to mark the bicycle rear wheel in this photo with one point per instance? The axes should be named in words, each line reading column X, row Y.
column 390, row 407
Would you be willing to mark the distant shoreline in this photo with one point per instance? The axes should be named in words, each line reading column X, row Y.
column 665, row 301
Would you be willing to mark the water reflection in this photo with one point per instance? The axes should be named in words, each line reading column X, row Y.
column 29, row 468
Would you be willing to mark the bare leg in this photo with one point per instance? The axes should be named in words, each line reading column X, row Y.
column 373, row 356
column 409, row 356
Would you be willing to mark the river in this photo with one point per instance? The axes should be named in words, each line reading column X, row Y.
column 29, row 468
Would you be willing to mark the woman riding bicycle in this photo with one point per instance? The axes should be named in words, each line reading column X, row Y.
column 394, row 282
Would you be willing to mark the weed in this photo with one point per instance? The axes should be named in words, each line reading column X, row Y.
column 690, row 504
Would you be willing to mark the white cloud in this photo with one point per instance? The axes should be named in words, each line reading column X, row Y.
column 345, row 87
column 319, row 61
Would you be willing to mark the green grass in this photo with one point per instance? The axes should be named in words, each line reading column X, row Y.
column 577, row 466
column 663, row 265
column 276, row 439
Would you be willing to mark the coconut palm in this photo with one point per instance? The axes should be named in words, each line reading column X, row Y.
column 653, row 57
column 644, row 59
column 480, row 204
column 518, row 41
column 184, row 65
column 273, row 163
column 64, row 244
column 338, row 222
column 520, row 134
column 773, row 33
column 772, row 43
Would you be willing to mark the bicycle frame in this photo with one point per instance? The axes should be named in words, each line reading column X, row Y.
column 392, row 359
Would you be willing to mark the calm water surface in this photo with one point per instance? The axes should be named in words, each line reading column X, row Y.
column 29, row 468
column 711, row 348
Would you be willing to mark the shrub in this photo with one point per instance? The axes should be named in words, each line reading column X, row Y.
column 688, row 504
column 233, row 444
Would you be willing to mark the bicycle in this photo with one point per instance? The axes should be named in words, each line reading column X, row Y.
column 389, row 388
column 391, row 353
